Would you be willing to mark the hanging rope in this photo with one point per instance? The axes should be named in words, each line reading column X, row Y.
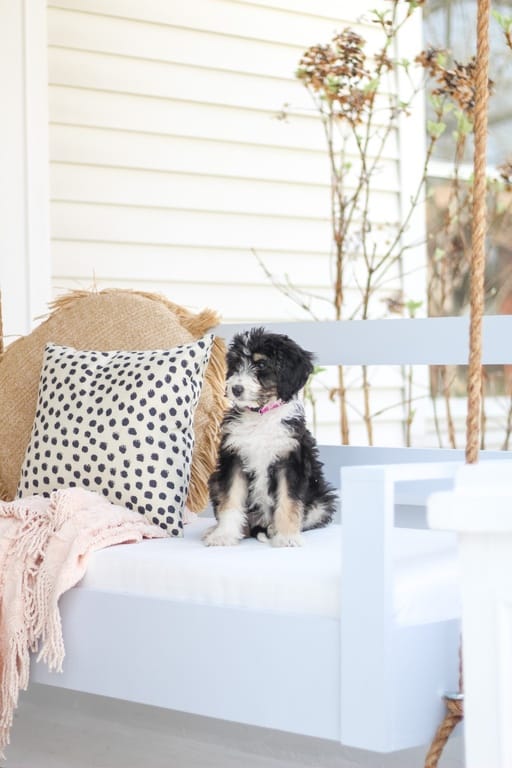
column 477, row 266
column 454, row 715
column 455, row 703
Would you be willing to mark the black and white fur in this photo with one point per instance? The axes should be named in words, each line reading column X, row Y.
column 268, row 481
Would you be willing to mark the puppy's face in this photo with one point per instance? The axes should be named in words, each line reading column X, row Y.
column 265, row 367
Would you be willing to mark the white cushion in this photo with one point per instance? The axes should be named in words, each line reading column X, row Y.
column 301, row 580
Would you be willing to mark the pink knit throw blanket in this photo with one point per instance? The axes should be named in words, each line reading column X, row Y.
column 44, row 549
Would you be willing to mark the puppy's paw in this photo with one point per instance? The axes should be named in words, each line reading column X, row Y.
column 216, row 537
column 286, row 540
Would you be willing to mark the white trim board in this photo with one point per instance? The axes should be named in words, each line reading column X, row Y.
column 24, row 198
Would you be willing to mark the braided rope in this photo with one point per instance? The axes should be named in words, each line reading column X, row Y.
column 455, row 707
column 454, row 715
column 477, row 266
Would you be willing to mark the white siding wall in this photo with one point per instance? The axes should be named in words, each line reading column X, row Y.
column 170, row 170
column 169, row 167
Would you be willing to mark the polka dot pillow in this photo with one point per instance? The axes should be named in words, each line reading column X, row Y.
column 119, row 423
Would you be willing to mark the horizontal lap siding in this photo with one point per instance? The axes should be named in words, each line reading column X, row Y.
column 172, row 168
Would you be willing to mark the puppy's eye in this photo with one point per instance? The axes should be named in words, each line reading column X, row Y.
column 260, row 365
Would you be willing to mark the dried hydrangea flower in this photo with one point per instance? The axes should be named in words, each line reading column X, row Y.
column 338, row 73
column 457, row 82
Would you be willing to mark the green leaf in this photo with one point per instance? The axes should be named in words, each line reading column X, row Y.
column 332, row 83
column 441, row 59
column 371, row 86
column 498, row 16
column 464, row 124
column 436, row 101
column 435, row 129
column 412, row 307
column 505, row 22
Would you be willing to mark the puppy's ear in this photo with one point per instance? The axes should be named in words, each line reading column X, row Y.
column 295, row 365
column 235, row 351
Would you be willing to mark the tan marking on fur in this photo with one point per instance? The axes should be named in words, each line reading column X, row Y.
column 258, row 356
column 236, row 495
column 231, row 526
column 288, row 513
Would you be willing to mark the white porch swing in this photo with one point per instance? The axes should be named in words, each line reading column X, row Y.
column 365, row 657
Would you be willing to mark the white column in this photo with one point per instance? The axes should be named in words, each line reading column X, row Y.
column 480, row 510
column 25, row 266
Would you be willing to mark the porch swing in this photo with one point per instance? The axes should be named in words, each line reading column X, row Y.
column 355, row 645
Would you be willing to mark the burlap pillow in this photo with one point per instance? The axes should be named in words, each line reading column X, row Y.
column 107, row 320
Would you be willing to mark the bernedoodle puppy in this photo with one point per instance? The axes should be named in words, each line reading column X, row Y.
column 269, row 481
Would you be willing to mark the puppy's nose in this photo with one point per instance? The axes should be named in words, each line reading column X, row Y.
column 237, row 390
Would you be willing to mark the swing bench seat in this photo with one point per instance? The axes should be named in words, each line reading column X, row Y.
column 352, row 638
column 260, row 636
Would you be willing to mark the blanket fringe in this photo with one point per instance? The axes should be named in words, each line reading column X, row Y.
column 15, row 676
column 44, row 544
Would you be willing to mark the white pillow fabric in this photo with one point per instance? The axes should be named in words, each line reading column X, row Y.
column 119, row 423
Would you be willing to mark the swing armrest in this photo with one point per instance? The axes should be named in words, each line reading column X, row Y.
column 369, row 644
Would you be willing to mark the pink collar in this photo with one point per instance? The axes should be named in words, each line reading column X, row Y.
column 269, row 407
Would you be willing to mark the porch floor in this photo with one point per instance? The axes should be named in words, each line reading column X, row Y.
column 55, row 728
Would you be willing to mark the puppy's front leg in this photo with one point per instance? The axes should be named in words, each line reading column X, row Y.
column 287, row 522
column 229, row 496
